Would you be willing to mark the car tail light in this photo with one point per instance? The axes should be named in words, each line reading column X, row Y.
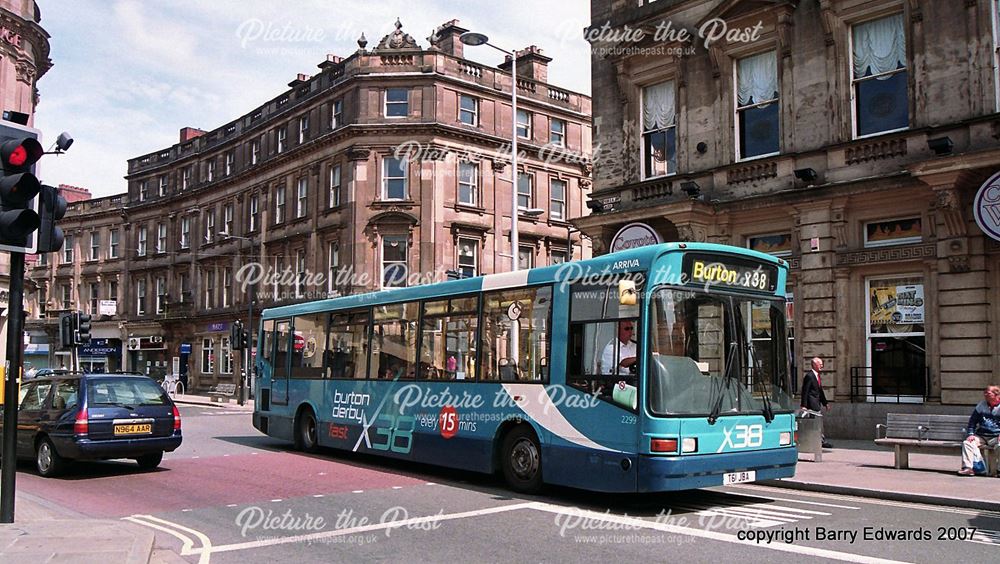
column 663, row 445
column 81, row 426
column 689, row 444
column 177, row 419
column 796, row 437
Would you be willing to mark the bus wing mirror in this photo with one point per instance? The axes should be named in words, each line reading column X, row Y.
column 626, row 292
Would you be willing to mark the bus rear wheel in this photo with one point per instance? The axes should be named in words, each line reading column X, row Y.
column 306, row 438
column 522, row 460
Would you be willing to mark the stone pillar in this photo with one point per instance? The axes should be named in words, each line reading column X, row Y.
column 818, row 299
column 961, row 325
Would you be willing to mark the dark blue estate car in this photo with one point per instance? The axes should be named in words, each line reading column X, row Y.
column 79, row 416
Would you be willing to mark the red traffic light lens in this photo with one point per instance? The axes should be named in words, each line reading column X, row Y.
column 18, row 156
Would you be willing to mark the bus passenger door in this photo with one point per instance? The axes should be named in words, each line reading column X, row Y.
column 281, row 358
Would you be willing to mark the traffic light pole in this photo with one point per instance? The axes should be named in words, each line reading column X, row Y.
column 12, row 369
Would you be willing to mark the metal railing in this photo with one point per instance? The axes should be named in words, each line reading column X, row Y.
column 895, row 386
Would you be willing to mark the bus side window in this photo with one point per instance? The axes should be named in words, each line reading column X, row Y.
column 515, row 335
column 268, row 348
column 394, row 341
column 347, row 349
column 309, row 346
column 282, row 334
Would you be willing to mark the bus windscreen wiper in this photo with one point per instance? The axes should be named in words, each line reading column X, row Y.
column 757, row 382
column 727, row 379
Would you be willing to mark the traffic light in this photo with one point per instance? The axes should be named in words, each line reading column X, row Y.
column 236, row 338
column 18, row 187
column 82, row 327
column 66, row 330
column 51, row 208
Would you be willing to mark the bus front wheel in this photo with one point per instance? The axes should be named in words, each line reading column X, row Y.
column 306, row 438
column 522, row 460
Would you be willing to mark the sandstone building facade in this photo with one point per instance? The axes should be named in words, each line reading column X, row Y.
column 850, row 137
column 387, row 167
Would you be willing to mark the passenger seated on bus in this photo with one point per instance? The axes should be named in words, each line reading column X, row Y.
column 624, row 361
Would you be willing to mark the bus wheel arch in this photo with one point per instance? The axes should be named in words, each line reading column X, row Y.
column 305, row 429
column 520, row 457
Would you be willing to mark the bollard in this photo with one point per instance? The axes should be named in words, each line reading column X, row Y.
column 811, row 434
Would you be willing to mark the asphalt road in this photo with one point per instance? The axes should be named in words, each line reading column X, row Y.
column 230, row 494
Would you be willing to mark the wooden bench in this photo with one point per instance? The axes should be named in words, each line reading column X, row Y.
column 912, row 432
column 222, row 393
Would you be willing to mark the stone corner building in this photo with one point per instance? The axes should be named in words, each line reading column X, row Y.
column 849, row 136
column 24, row 58
column 385, row 168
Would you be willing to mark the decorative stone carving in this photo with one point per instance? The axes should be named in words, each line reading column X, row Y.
column 362, row 41
column 752, row 172
column 25, row 71
column 830, row 21
column 949, row 205
column 889, row 254
column 397, row 39
column 498, row 165
column 691, row 232
column 585, row 183
column 716, row 56
column 875, row 150
column 358, row 153
column 784, row 35
column 958, row 264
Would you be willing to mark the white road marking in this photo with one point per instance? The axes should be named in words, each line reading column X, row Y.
column 276, row 500
column 358, row 491
column 885, row 502
column 397, row 487
column 786, row 500
column 317, row 495
column 367, row 528
column 986, row 536
column 722, row 537
column 187, row 549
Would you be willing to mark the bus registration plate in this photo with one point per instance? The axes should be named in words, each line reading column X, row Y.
column 738, row 477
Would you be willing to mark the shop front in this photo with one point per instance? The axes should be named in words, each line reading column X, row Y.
column 101, row 356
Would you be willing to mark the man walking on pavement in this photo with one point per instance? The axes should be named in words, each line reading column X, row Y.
column 813, row 397
column 983, row 429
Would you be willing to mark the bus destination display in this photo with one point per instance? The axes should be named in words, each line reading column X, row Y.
column 730, row 273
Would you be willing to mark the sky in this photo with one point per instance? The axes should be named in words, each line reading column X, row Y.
column 128, row 74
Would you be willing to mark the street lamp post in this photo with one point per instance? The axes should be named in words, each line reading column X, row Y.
column 241, row 399
column 474, row 39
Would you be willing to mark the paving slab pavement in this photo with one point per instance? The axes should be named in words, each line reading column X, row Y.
column 863, row 469
column 42, row 532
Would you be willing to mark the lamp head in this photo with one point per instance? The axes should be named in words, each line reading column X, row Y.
column 472, row 38
column 806, row 174
column 940, row 145
column 691, row 188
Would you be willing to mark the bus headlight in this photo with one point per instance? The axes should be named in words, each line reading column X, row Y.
column 785, row 438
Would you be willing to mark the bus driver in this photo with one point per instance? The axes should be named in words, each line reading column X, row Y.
column 625, row 347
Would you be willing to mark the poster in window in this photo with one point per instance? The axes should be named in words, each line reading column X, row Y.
column 894, row 305
column 893, row 232
column 779, row 244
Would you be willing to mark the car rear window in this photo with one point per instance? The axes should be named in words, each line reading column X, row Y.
column 124, row 391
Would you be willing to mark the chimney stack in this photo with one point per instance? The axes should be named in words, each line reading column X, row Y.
column 531, row 63
column 447, row 38
column 189, row 133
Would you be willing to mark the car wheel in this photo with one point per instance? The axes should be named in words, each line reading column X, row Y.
column 149, row 461
column 522, row 461
column 306, row 438
column 47, row 460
